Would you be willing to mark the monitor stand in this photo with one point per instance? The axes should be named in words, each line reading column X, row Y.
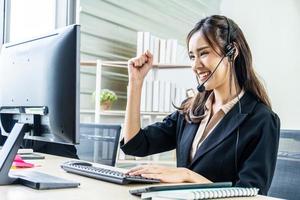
column 33, row 179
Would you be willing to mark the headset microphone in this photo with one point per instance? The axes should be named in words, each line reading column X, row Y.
column 201, row 88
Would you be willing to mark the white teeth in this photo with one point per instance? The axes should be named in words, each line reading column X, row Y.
column 205, row 74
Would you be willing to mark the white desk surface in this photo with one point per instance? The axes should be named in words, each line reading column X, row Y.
column 89, row 189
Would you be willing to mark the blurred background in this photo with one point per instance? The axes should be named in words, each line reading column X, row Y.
column 109, row 32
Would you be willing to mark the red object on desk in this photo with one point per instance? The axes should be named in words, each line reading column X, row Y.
column 20, row 163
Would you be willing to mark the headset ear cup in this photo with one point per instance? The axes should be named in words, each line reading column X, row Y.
column 230, row 50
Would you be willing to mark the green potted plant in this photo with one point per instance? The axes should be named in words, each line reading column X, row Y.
column 107, row 97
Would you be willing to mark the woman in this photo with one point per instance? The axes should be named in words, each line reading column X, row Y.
column 226, row 132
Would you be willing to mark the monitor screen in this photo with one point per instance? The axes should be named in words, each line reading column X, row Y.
column 39, row 85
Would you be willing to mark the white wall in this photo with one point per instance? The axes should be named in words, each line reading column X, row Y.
column 272, row 29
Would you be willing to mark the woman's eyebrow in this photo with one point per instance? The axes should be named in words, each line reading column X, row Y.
column 199, row 49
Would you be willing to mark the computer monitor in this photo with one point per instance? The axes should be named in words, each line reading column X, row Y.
column 39, row 92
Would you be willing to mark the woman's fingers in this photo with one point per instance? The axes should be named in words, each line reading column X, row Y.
column 138, row 61
column 163, row 173
column 140, row 167
column 138, row 171
column 149, row 57
column 162, row 177
column 171, row 176
column 135, row 169
column 145, row 58
column 139, row 66
column 145, row 169
column 156, row 176
column 148, row 170
column 141, row 171
column 130, row 63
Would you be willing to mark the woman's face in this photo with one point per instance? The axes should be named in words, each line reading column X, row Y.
column 204, row 60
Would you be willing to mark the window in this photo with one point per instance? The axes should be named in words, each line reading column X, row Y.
column 31, row 17
column 20, row 19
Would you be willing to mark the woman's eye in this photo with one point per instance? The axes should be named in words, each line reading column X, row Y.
column 203, row 53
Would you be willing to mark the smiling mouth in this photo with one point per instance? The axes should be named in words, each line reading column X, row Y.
column 204, row 75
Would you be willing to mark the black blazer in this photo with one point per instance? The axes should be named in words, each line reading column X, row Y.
column 256, row 150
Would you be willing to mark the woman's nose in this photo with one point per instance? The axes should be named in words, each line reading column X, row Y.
column 196, row 64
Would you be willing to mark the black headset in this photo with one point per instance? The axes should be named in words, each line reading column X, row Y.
column 229, row 47
column 229, row 52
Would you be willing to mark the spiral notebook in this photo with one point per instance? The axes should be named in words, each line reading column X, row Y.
column 205, row 193
column 177, row 187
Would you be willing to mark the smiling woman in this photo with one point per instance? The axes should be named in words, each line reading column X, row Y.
column 227, row 132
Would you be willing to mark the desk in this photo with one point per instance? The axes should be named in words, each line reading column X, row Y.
column 89, row 189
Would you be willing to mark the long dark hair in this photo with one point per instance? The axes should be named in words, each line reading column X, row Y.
column 215, row 31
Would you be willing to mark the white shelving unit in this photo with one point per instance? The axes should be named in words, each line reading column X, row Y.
column 121, row 77
column 117, row 116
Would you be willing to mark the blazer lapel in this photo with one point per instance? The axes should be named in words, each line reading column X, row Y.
column 186, row 142
column 226, row 127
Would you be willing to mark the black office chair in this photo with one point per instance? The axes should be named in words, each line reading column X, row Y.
column 99, row 143
column 286, row 180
